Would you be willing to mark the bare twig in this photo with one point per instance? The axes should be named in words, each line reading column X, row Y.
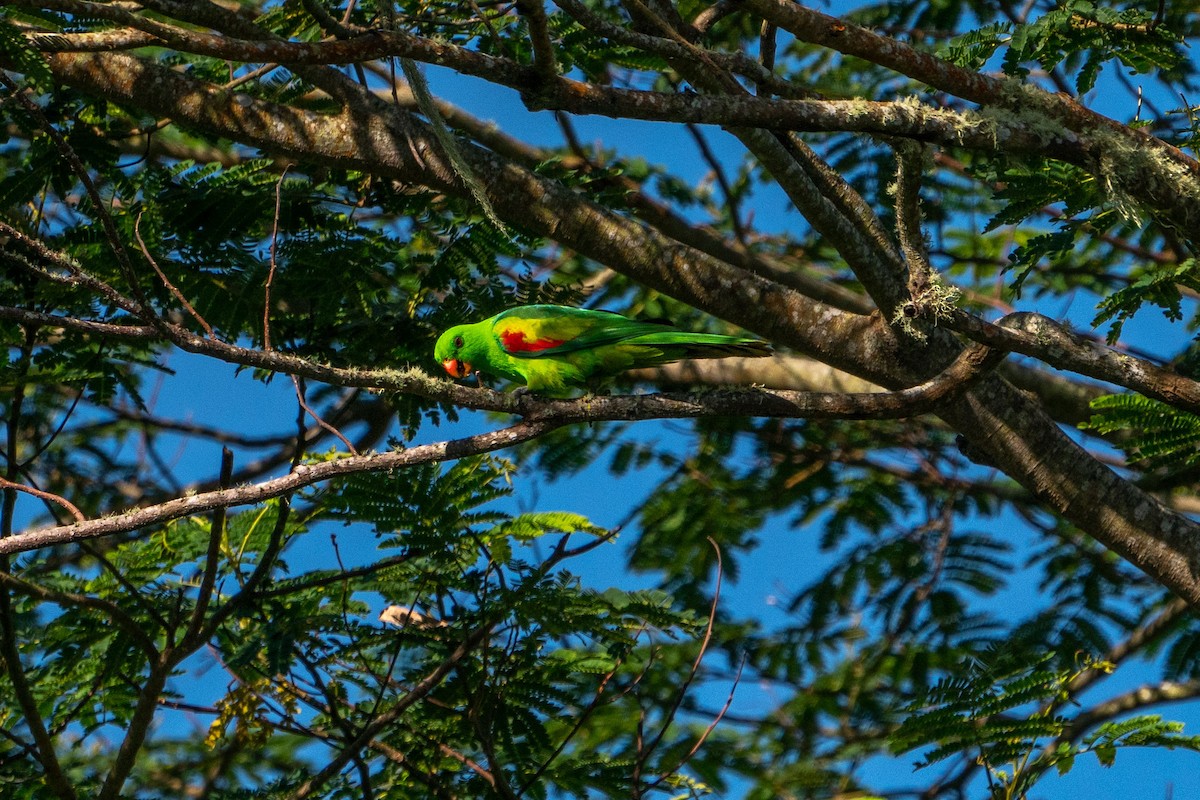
column 647, row 750
column 712, row 726
column 137, row 234
column 271, row 270
column 718, row 170
column 298, row 383
column 212, row 557
column 44, row 495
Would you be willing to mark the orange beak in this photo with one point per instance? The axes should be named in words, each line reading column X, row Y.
column 456, row 367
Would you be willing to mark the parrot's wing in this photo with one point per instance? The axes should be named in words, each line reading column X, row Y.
column 545, row 330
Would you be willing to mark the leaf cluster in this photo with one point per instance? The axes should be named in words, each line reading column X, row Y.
column 1159, row 436
column 508, row 668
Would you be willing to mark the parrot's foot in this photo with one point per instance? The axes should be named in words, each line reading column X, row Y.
column 521, row 394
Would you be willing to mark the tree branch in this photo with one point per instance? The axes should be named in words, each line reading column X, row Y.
column 1039, row 336
column 387, row 142
column 388, row 717
column 908, row 118
column 542, row 416
column 370, row 45
column 1125, row 159
column 67, row 599
column 304, row 475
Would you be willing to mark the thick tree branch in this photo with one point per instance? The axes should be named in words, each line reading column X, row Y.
column 375, row 44
column 303, row 475
column 1067, row 401
column 541, row 417
column 1044, row 339
column 780, row 372
column 94, row 41
column 1126, row 160
column 908, row 118
column 385, row 141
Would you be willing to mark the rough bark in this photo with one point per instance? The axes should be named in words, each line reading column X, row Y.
column 1010, row 429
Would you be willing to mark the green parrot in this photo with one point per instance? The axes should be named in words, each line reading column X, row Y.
column 550, row 348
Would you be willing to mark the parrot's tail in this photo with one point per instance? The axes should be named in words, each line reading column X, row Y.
column 746, row 348
column 707, row 345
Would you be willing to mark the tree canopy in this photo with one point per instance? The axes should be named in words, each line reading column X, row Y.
column 950, row 220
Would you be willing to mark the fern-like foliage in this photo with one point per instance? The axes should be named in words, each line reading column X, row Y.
column 1148, row 730
column 1158, row 435
column 974, row 48
column 1159, row 285
column 993, row 712
column 1082, row 29
column 1004, row 712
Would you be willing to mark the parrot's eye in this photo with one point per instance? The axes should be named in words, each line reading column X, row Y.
column 458, row 342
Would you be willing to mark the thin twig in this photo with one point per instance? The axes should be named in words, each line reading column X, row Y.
column 645, row 752
column 718, row 170
column 711, row 726
column 212, row 557
column 162, row 276
column 44, row 495
column 271, row 271
column 298, row 383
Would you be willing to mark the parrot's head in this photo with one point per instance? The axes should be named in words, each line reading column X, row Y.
column 450, row 351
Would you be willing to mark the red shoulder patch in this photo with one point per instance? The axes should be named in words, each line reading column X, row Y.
column 514, row 341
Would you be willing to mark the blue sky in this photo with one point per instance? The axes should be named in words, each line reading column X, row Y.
column 788, row 559
column 785, row 559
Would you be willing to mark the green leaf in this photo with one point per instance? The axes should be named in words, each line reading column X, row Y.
column 530, row 526
column 589, row 663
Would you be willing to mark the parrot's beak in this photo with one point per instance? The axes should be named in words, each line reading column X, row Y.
column 457, row 367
